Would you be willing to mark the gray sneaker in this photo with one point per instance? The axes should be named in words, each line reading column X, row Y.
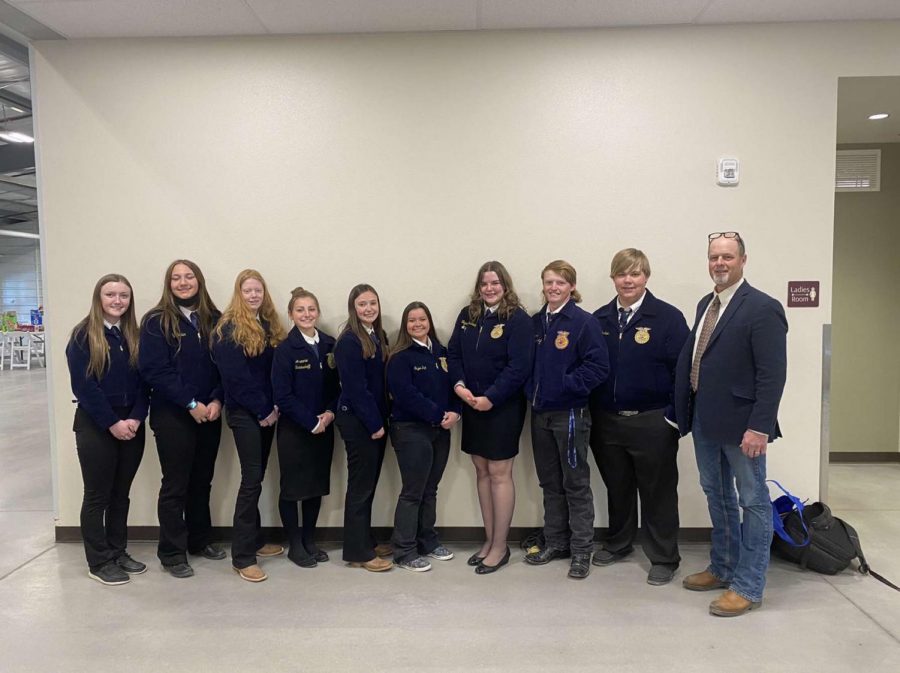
column 441, row 553
column 416, row 565
column 109, row 574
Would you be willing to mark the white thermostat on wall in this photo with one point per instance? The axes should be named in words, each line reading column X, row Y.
column 728, row 172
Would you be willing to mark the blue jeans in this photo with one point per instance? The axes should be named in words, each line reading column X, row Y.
column 740, row 549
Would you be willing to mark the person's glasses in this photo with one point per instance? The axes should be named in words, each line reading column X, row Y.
column 725, row 234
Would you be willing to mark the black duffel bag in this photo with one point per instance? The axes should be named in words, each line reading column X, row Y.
column 813, row 538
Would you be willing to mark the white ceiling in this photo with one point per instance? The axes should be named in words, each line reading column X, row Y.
column 859, row 97
column 160, row 18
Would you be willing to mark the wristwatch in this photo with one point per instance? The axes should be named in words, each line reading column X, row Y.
column 192, row 405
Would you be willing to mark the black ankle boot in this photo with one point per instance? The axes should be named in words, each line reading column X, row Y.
column 298, row 554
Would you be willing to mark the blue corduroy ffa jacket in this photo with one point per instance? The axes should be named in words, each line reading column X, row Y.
column 492, row 357
column 247, row 380
column 362, row 382
column 178, row 371
column 119, row 387
column 642, row 362
column 304, row 384
column 418, row 380
column 570, row 359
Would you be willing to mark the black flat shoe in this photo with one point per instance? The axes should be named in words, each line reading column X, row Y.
column 484, row 569
column 475, row 560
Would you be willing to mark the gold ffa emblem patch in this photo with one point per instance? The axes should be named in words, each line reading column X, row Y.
column 497, row 332
column 443, row 364
column 329, row 359
column 642, row 335
column 562, row 340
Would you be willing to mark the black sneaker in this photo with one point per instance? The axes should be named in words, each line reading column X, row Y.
column 661, row 574
column 580, row 567
column 110, row 575
column 605, row 557
column 179, row 570
column 129, row 565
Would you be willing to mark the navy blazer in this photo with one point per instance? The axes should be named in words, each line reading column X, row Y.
column 247, row 380
column 570, row 359
column 642, row 361
column 178, row 371
column 305, row 384
column 120, row 387
column 418, row 381
column 362, row 382
column 742, row 371
column 492, row 357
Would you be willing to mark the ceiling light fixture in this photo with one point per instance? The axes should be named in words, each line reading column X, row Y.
column 880, row 115
column 15, row 137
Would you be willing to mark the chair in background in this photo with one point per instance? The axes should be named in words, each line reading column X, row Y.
column 37, row 348
column 20, row 356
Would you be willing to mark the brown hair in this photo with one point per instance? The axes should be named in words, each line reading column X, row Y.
column 567, row 271
column 169, row 313
column 509, row 302
column 300, row 293
column 404, row 340
column 92, row 331
column 355, row 326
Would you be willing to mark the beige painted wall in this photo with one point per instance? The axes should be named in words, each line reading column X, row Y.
column 865, row 365
column 407, row 160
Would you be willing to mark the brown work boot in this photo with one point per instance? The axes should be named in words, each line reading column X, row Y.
column 382, row 550
column 703, row 581
column 376, row 565
column 730, row 604
column 268, row 550
column 251, row 573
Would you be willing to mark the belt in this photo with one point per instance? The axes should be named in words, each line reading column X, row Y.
column 627, row 413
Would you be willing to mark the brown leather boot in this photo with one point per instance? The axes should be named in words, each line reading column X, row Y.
column 384, row 549
column 251, row 573
column 730, row 604
column 703, row 581
column 376, row 565
column 270, row 550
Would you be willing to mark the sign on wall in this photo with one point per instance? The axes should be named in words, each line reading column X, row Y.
column 803, row 294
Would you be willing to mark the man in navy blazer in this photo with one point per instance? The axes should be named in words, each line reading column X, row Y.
column 728, row 385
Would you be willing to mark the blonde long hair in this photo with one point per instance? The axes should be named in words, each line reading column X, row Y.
column 247, row 331
column 567, row 271
column 91, row 330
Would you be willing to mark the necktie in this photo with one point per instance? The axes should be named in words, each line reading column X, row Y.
column 315, row 348
column 624, row 314
column 195, row 320
column 116, row 332
column 709, row 324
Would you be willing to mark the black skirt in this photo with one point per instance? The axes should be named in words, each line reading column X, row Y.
column 305, row 460
column 494, row 434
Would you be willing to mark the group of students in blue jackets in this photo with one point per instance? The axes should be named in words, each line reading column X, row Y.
column 191, row 366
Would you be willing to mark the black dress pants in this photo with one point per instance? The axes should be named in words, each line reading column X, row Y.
column 253, row 443
column 638, row 455
column 422, row 453
column 364, row 458
column 187, row 456
column 108, row 466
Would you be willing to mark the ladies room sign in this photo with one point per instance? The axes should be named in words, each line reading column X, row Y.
column 803, row 294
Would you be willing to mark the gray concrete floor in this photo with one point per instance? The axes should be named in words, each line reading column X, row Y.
column 332, row 618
